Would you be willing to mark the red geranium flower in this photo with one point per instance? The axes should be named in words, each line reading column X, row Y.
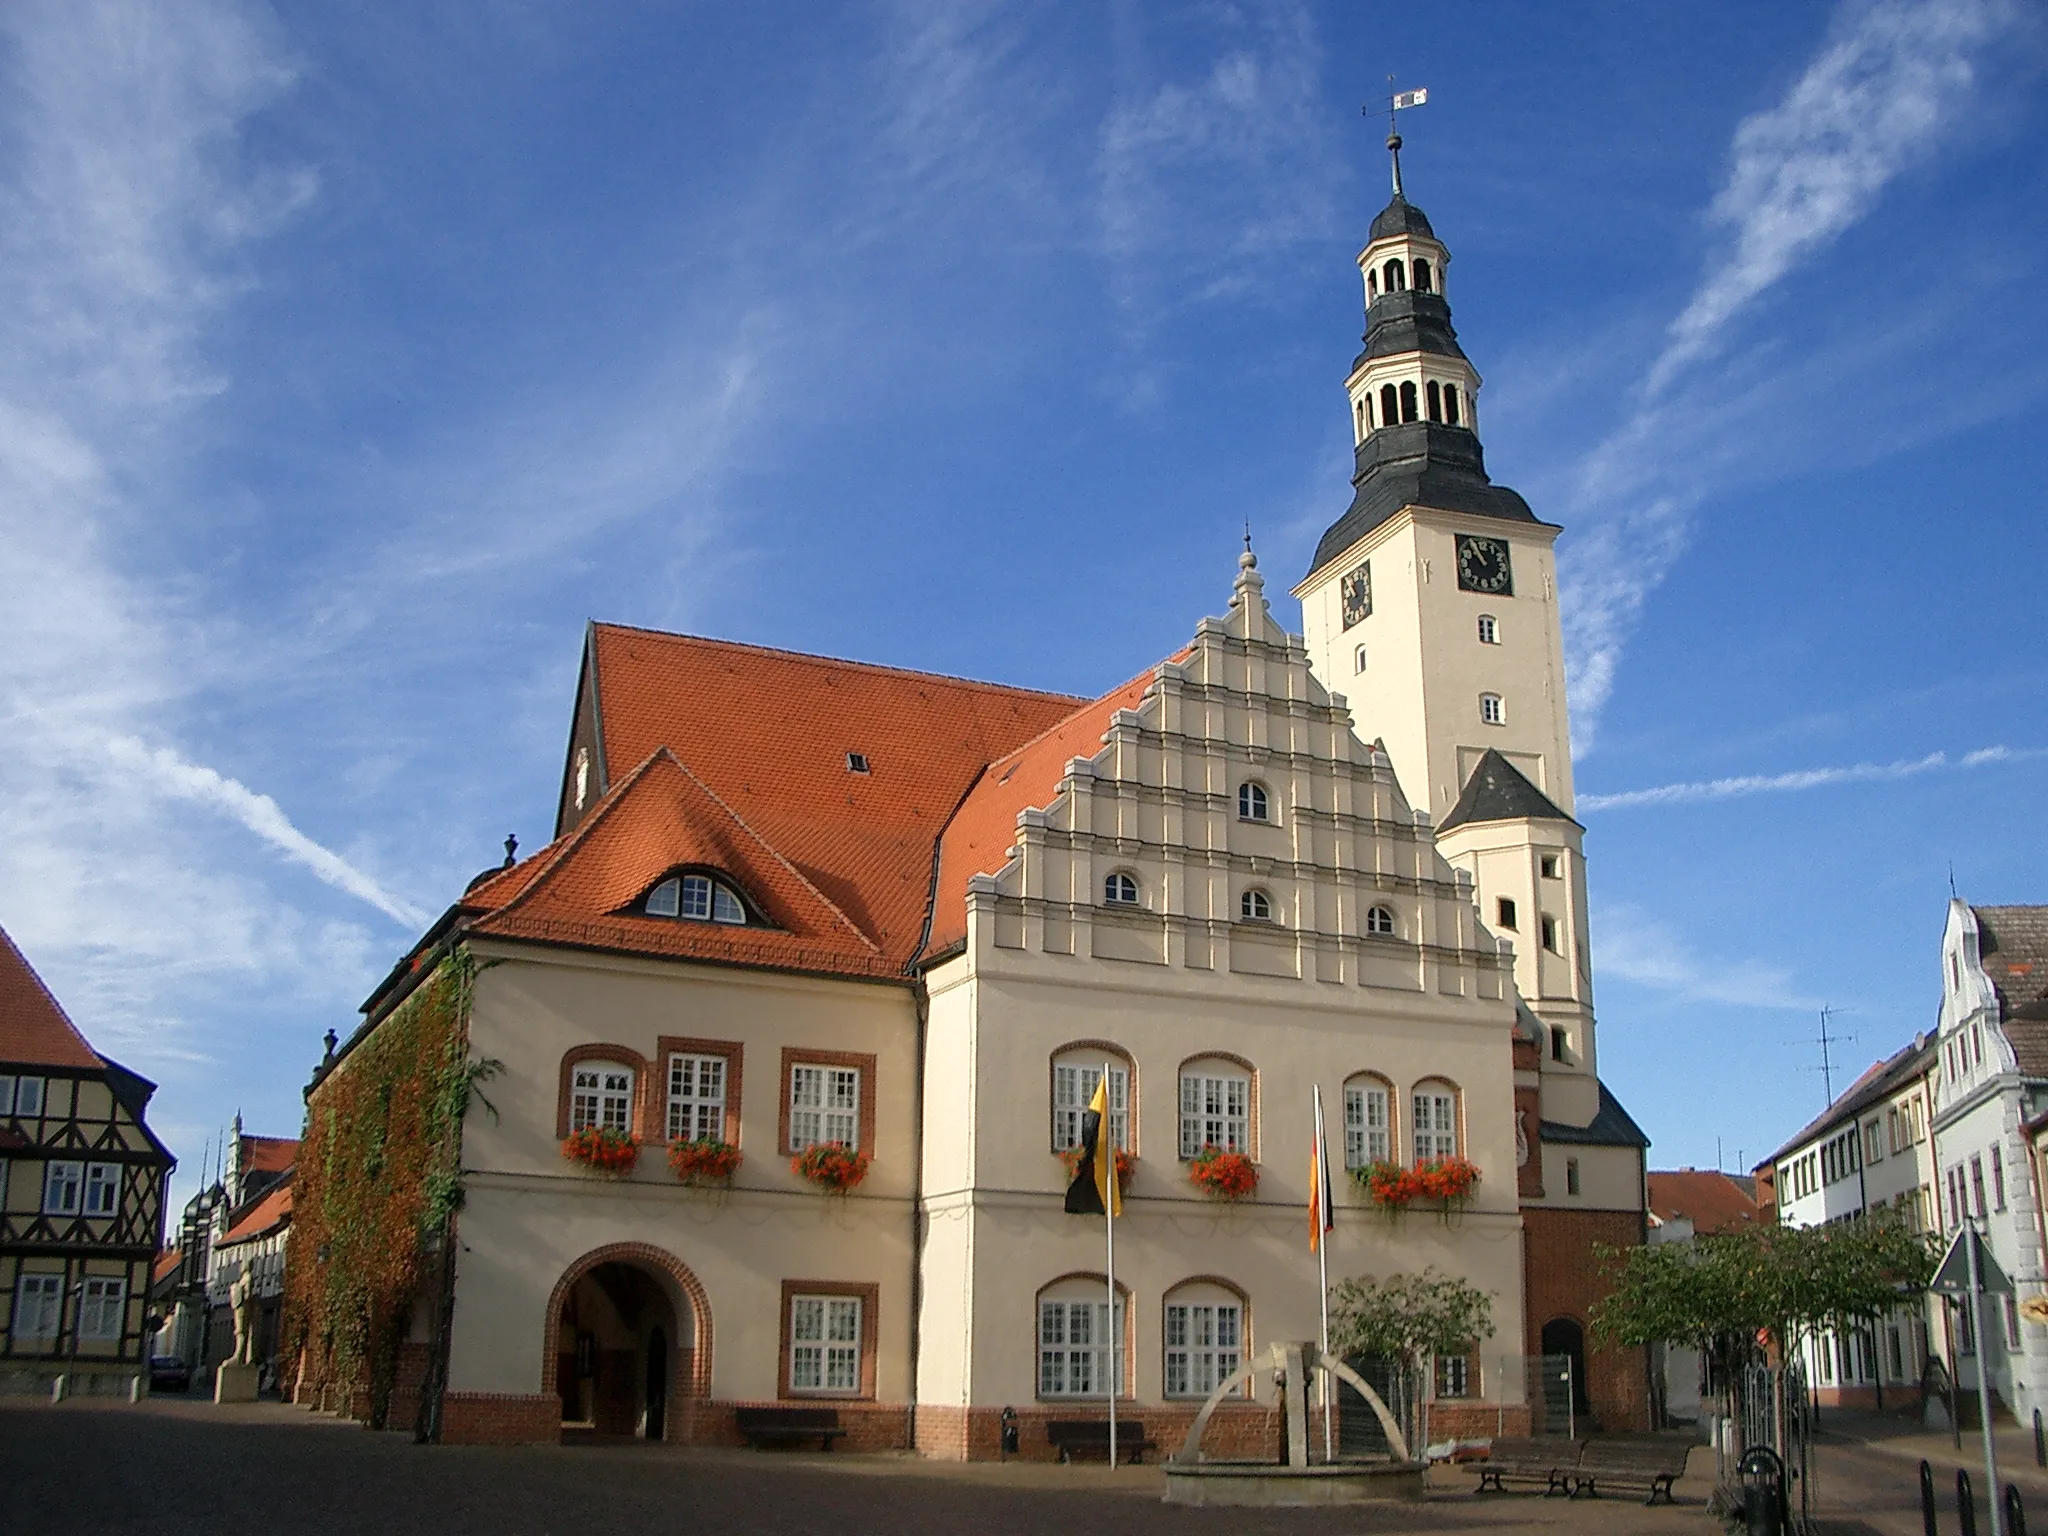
column 607, row 1151
column 1227, row 1175
column 831, row 1166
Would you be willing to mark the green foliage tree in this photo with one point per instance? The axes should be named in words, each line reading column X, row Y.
column 1410, row 1318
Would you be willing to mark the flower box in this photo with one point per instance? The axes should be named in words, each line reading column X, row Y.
column 1226, row 1175
column 1126, row 1165
column 605, row 1150
column 707, row 1161
column 1394, row 1188
column 830, row 1166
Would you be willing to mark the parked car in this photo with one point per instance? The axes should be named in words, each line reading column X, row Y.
column 168, row 1373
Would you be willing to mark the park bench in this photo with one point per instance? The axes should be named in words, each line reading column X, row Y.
column 764, row 1427
column 1647, row 1465
column 1550, row 1460
column 1090, row 1438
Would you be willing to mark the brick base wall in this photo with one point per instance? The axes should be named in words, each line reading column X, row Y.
column 868, row 1426
column 1562, row 1278
column 1247, row 1431
column 1475, row 1421
column 501, row 1418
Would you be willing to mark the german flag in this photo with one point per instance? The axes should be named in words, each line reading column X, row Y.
column 1094, row 1191
column 1322, row 1211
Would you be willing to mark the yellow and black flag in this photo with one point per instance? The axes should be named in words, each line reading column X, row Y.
column 1094, row 1191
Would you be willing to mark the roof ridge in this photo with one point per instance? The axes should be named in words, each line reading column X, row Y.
column 773, row 852
column 1067, row 719
column 847, row 662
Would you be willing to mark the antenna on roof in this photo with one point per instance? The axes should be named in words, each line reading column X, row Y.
column 1827, row 1066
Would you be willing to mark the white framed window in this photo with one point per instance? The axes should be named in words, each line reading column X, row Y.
column 1215, row 1110
column 698, row 898
column 824, row 1344
column 1204, row 1344
column 1120, row 889
column 38, row 1306
column 1368, row 1133
column 63, row 1185
column 696, row 1098
column 22, row 1096
column 1453, row 1375
column 1436, row 1123
column 1073, row 1086
column 1252, row 804
column 601, row 1094
column 1080, row 1350
column 100, row 1306
column 102, row 1188
column 1380, row 921
column 1489, row 631
column 1492, row 710
column 1255, row 906
column 824, row 1106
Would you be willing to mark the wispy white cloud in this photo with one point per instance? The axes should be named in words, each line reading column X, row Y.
column 1891, row 80
column 1634, row 946
column 1807, row 778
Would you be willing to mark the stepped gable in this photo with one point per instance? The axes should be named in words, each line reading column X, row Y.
column 34, row 1029
column 978, row 839
column 659, row 817
column 767, row 733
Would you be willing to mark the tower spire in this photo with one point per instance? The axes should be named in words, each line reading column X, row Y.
column 1396, row 100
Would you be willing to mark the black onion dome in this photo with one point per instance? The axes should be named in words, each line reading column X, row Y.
column 1400, row 217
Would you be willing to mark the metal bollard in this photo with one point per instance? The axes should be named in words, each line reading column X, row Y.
column 1966, row 1504
column 1928, row 1525
column 2015, row 1513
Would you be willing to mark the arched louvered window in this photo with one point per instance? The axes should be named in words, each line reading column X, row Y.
column 1421, row 276
column 1390, row 405
column 1408, row 400
column 1451, row 404
column 1436, row 401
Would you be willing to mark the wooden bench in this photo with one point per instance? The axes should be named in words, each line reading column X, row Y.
column 1645, row 1465
column 1550, row 1460
column 1090, row 1438
column 764, row 1427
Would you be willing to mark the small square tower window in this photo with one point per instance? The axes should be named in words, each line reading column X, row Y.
column 1571, row 1175
column 1359, row 660
column 1489, row 631
column 1550, row 934
column 1549, row 865
column 1492, row 709
column 1560, row 1044
column 1504, row 909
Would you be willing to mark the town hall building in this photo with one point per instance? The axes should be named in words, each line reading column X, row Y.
column 841, row 951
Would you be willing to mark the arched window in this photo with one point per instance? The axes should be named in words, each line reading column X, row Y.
column 1421, row 275
column 1489, row 630
column 1080, row 1344
column 1215, row 1106
column 1365, row 409
column 1204, row 1323
column 1120, row 889
column 1436, row 401
column 601, row 1094
column 1255, row 906
column 1390, row 405
column 1359, row 411
column 1451, row 404
column 1368, row 1121
column 1360, row 660
column 1252, row 804
column 1492, row 711
column 1408, row 400
column 698, row 898
column 1372, row 286
column 1076, row 1073
column 1434, row 1119
column 1396, row 278
column 1380, row 921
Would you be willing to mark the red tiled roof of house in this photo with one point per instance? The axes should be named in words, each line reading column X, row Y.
column 1712, row 1201
column 262, row 1218
column 34, row 1030
column 979, row 837
column 268, row 1154
column 166, row 1264
column 767, row 733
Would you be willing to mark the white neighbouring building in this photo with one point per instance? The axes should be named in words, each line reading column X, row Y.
column 793, row 900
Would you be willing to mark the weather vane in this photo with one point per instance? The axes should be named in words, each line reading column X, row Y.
column 1396, row 101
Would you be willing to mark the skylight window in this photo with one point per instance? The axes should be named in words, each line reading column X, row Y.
column 857, row 762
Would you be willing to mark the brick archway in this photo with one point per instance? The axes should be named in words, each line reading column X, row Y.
column 698, row 1383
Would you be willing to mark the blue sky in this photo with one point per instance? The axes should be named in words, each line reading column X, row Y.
column 352, row 356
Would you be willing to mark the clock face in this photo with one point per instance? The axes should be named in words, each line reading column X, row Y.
column 1483, row 565
column 1358, row 595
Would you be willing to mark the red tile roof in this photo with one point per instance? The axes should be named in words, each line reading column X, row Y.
column 268, row 1154
column 265, row 1216
column 34, row 1031
column 166, row 1264
column 1712, row 1201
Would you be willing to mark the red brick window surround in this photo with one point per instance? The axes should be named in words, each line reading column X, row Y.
column 699, row 1090
column 828, row 1339
column 1435, row 1120
column 821, row 1102
column 1219, row 1104
column 1075, row 1069
column 593, row 1055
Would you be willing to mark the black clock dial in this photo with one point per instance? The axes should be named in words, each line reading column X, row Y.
column 1358, row 595
column 1483, row 565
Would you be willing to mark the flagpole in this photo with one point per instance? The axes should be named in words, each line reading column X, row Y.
column 1106, row 1132
column 1323, row 1271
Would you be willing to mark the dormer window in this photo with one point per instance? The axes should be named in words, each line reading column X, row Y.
column 857, row 762
column 698, row 898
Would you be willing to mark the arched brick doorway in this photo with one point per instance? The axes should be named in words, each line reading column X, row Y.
column 607, row 1315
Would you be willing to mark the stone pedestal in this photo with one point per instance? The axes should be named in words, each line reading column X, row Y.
column 235, row 1383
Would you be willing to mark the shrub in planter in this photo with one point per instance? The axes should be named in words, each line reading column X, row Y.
column 605, row 1150
column 706, row 1161
column 830, row 1166
column 1226, row 1175
column 1126, row 1165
